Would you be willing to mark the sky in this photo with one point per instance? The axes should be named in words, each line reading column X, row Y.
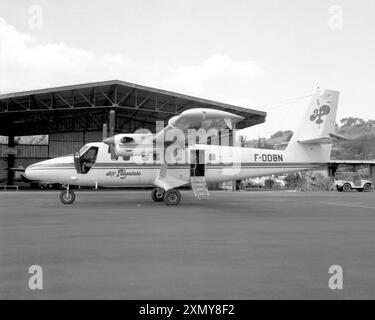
column 268, row 55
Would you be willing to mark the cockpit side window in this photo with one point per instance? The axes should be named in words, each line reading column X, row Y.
column 88, row 159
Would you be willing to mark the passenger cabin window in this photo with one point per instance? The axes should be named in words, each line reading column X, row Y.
column 127, row 140
column 88, row 159
column 212, row 157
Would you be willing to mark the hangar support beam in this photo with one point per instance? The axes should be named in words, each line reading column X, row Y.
column 371, row 170
column 10, row 160
column 233, row 143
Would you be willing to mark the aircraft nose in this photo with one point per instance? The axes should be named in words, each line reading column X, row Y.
column 109, row 141
column 30, row 173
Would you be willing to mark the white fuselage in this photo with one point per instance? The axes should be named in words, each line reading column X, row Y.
column 221, row 163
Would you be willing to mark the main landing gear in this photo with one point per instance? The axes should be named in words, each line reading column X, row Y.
column 171, row 197
column 67, row 196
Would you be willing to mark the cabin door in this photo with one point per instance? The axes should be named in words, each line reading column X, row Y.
column 197, row 163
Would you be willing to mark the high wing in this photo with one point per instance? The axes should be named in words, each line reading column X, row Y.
column 201, row 118
column 131, row 145
column 136, row 144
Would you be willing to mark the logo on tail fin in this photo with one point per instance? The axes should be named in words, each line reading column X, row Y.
column 319, row 113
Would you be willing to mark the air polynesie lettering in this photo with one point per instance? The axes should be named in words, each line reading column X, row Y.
column 268, row 157
column 122, row 173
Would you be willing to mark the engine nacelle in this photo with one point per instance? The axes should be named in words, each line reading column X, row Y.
column 130, row 145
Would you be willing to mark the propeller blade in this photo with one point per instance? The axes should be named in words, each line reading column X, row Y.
column 113, row 152
column 111, row 142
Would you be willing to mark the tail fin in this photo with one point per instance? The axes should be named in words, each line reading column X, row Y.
column 312, row 141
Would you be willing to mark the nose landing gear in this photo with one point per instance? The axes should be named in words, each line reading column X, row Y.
column 157, row 194
column 171, row 197
column 67, row 196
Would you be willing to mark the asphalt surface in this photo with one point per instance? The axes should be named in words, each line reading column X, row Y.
column 241, row 245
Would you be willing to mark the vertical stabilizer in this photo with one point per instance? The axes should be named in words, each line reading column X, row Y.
column 312, row 140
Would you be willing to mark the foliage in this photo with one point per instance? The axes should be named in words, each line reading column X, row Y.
column 361, row 147
column 269, row 183
column 308, row 181
column 316, row 182
column 293, row 180
column 347, row 122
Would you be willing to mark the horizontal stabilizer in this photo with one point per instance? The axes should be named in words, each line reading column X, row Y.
column 339, row 137
column 331, row 137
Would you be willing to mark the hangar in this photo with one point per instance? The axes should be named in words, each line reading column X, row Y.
column 74, row 115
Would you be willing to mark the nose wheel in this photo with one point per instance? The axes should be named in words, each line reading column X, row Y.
column 157, row 194
column 67, row 196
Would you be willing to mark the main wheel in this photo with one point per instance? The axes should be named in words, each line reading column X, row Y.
column 67, row 197
column 157, row 194
column 367, row 187
column 346, row 187
column 172, row 197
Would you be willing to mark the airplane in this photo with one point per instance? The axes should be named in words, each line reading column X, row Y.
column 168, row 159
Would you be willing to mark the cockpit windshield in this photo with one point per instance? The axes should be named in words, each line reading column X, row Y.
column 83, row 149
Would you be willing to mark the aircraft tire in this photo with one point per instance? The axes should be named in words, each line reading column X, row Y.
column 172, row 197
column 346, row 187
column 67, row 198
column 157, row 194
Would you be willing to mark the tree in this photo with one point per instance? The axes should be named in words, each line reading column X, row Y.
column 350, row 121
column 293, row 180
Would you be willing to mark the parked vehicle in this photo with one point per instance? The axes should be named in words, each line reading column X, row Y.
column 347, row 181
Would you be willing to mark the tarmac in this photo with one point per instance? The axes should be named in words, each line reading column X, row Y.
column 237, row 245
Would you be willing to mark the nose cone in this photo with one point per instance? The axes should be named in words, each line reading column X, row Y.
column 109, row 141
column 31, row 173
